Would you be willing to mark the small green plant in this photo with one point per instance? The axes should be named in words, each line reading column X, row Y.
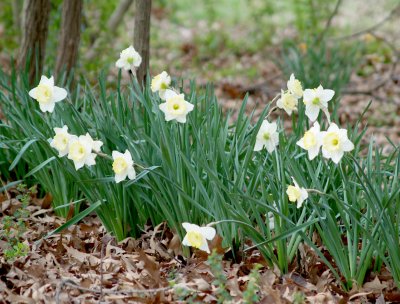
column 299, row 298
column 220, row 279
column 250, row 294
column 14, row 226
column 185, row 295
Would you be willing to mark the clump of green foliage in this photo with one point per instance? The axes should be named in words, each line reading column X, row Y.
column 206, row 170
column 14, row 226
column 250, row 295
column 220, row 278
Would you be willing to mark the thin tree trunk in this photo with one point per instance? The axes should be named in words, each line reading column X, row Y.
column 118, row 14
column 141, row 38
column 109, row 35
column 68, row 46
column 16, row 10
column 33, row 44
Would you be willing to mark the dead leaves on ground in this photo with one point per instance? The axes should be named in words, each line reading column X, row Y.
column 86, row 265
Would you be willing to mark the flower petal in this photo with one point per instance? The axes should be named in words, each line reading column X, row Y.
column 312, row 112
column 59, row 94
column 208, row 232
column 204, row 247
column 32, row 93
column 327, row 95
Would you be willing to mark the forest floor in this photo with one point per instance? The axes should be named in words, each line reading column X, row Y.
column 84, row 264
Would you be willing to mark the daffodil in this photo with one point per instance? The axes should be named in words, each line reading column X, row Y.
column 96, row 144
column 175, row 106
column 129, row 59
column 47, row 94
column 160, row 84
column 287, row 102
column 296, row 194
column 123, row 166
column 80, row 150
column 311, row 141
column 267, row 137
column 294, row 87
column 197, row 236
column 335, row 142
column 316, row 100
column 61, row 140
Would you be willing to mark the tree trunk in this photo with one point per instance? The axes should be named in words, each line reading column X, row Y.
column 141, row 38
column 33, row 44
column 68, row 46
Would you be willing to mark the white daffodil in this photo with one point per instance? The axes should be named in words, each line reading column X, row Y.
column 288, row 102
column 335, row 142
column 267, row 136
column 296, row 194
column 61, row 140
column 160, row 84
column 197, row 236
column 294, row 87
column 129, row 59
column 96, row 144
column 80, row 151
column 316, row 100
column 312, row 141
column 123, row 166
column 175, row 106
column 47, row 94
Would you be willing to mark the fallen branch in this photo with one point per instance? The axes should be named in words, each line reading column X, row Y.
column 329, row 22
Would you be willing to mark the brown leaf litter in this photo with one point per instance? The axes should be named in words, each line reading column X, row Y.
column 84, row 264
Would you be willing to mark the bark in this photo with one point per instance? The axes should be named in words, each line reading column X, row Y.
column 141, row 38
column 33, row 44
column 68, row 47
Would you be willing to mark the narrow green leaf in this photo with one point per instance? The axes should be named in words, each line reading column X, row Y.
column 40, row 166
column 18, row 157
column 10, row 185
column 74, row 220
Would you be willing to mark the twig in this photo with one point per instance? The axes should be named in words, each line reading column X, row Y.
column 271, row 111
column 329, row 22
column 101, row 270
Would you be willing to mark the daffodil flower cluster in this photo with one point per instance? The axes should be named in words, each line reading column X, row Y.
column 81, row 150
column 289, row 99
column 334, row 142
column 175, row 106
